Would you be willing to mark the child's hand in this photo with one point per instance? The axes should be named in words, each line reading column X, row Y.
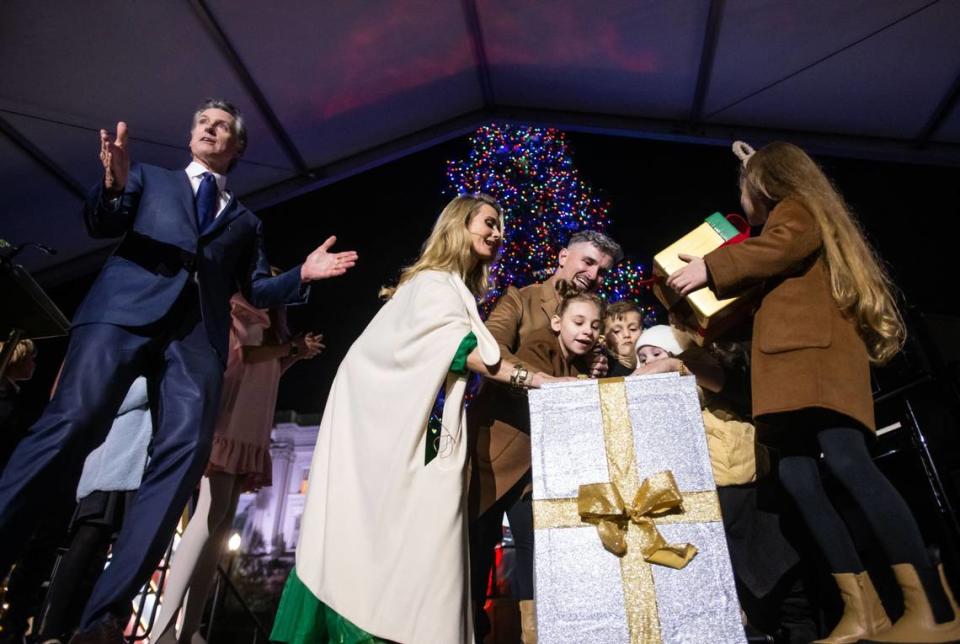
column 666, row 365
column 691, row 277
column 599, row 366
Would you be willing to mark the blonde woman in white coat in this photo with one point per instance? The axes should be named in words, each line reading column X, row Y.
column 383, row 545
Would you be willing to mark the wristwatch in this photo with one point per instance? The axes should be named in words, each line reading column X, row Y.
column 294, row 349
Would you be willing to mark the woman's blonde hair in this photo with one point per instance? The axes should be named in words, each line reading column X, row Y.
column 859, row 282
column 449, row 246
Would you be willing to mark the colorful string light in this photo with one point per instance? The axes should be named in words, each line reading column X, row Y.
column 530, row 171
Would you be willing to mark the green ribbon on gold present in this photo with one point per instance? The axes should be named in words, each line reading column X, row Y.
column 656, row 500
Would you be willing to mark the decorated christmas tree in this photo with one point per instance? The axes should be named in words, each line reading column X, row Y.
column 530, row 171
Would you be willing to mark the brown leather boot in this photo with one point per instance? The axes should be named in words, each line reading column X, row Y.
column 917, row 623
column 528, row 621
column 863, row 614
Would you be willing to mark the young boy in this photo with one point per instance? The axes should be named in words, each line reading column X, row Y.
column 564, row 350
column 729, row 438
column 659, row 342
column 622, row 325
column 500, row 468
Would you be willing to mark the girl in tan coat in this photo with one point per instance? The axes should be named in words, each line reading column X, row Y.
column 827, row 312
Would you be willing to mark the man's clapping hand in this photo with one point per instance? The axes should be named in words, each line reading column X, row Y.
column 321, row 264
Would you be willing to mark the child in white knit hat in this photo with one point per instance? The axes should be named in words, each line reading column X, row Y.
column 659, row 342
column 730, row 438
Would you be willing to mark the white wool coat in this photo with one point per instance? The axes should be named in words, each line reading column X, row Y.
column 383, row 538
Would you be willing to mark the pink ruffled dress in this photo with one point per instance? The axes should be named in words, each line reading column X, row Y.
column 241, row 438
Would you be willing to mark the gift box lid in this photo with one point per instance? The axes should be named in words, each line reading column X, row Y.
column 717, row 230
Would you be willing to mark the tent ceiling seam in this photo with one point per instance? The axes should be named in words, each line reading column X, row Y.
column 823, row 58
column 474, row 28
column 52, row 167
column 219, row 36
column 940, row 114
column 711, row 35
column 597, row 123
column 140, row 139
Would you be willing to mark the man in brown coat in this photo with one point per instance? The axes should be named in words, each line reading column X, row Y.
column 500, row 450
column 583, row 264
column 502, row 453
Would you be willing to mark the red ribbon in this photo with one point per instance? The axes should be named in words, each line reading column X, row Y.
column 741, row 225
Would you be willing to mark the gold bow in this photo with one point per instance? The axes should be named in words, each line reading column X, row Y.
column 602, row 505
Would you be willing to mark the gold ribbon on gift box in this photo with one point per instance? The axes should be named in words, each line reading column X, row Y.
column 641, row 544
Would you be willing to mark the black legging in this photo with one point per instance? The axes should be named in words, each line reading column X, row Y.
column 74, row 579
column 846, row 457
column 486, row 533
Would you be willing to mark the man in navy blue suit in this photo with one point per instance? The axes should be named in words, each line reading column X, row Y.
column 159, row 307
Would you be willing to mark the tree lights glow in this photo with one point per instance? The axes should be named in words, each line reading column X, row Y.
column 530, row 171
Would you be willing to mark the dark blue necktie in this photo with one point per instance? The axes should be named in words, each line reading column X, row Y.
column 207, row 198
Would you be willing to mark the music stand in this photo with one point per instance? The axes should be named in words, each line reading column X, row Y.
column 918, row 369
column 27, row 312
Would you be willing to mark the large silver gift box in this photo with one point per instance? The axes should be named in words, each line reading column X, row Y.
column 624, row 431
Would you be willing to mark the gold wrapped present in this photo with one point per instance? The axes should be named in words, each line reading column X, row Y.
column 630, row 545
column 701, row 310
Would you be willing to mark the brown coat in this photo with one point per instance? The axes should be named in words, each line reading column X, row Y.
column 498, row 422
column 496, row 447
column 806, row 353
column 520, row 313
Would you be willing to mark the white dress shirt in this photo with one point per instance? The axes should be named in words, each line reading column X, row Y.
column 195, row 173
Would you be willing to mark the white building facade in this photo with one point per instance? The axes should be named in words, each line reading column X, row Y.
column 268, row 520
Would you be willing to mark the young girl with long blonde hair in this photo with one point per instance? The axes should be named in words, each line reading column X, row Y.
column 827, row 312
column 382, row 552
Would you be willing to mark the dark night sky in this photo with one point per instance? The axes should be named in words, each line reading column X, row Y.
column 657, row 190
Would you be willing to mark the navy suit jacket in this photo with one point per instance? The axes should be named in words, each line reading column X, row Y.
column 162, row 248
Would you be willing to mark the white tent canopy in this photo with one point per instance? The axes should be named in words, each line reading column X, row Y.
column 331, row 88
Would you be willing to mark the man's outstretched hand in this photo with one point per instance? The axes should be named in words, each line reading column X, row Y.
column 115, row 160
column 321, row 264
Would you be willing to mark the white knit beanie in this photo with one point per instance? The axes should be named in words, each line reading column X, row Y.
column 662, row 336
